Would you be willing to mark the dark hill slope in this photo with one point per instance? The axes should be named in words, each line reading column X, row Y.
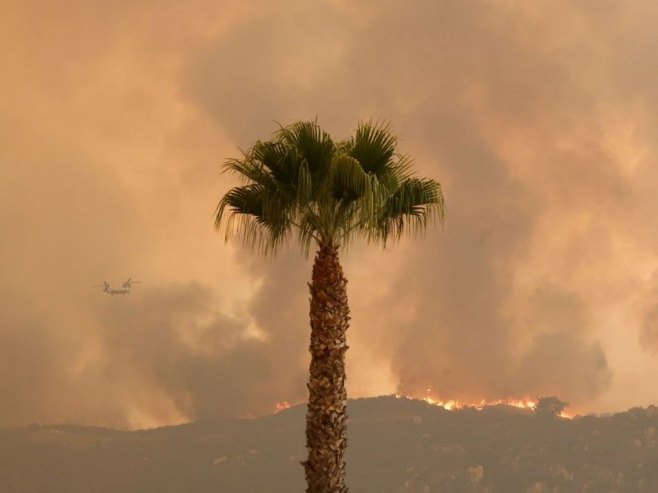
column 395, row 445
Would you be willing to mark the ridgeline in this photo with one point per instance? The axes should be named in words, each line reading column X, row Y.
column 396, row 445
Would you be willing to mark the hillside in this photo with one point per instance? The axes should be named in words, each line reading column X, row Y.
column 395, row 445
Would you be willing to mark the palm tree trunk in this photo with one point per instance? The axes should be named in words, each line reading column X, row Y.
column 326, row 430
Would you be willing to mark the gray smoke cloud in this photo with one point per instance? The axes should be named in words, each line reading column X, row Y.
column 539, row 120
column 174, row 340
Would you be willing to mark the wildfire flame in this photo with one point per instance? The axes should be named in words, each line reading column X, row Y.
column 280, row 406
column 454, row 404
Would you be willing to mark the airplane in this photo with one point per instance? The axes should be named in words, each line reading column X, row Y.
column 124, row 289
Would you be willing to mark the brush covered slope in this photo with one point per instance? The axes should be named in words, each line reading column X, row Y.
column 396, row 445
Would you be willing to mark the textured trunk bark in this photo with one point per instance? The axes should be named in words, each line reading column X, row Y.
column 326, row 430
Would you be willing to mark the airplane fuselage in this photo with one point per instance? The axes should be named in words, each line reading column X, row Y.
column 118, row 291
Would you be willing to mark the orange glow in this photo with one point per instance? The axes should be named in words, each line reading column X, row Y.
column 280, row 406
column 454, row 404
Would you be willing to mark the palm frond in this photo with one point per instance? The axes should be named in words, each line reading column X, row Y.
column 397, row 171
column 281, row 162
column 249, row 170
column 304, row 186
column 312, row 144
column 260, row 216
column 416, row 202
column 373, row 146
column 348, row 180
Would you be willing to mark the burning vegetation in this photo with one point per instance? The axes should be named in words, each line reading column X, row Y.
column 543, row 406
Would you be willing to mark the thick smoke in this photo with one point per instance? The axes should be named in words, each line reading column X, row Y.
column 539, row 120
column 496, row 103
column 175, row 341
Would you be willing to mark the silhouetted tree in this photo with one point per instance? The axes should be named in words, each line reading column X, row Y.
column 328, row 193
column 550, row 407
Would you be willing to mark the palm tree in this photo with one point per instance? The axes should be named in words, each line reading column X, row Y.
column 326, row 193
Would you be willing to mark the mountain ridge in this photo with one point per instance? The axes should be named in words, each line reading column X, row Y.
column 396, row 445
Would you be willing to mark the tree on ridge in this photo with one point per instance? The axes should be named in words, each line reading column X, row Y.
column 326, row 193
column 550, row 407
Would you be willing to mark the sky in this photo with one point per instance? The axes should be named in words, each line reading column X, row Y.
column 540, row 120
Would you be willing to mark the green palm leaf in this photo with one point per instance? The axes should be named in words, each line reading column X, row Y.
column 374, row 147
column 311, row 144
column 415, row 203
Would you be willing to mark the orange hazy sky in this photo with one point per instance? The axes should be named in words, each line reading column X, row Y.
column 540, row 119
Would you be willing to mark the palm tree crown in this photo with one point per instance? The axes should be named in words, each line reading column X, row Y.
column 303, row 181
